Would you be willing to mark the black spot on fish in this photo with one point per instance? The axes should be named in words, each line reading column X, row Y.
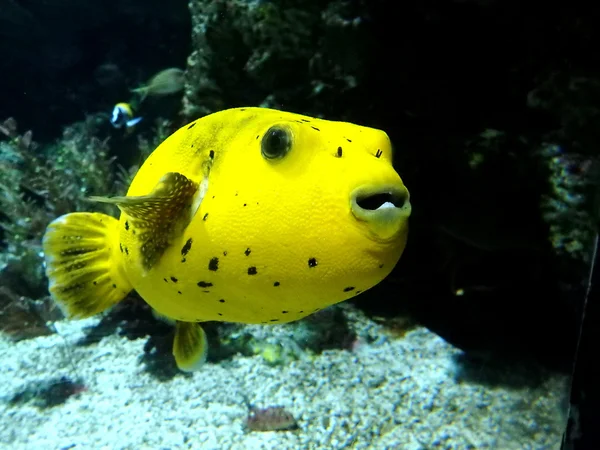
column 244, row 204
column 378, row 154
column 247, row 251
column 312, row 262
column 133, row 231
column 257, row 136
column 211, row 154
column 174, row 280
column 305, row 120
column 222, row 301
column 192, row 125
column 236, row 194
column 179, row 292
column 276, row 284
column 205, row 216
column 301, row 312
column 95, row 283
column 126, row 225
column 126, row 251
column 186, row 247
column 252, row 270
column 381, row 266
column 315, row 128
column 220, row 314
column 339, row 152
column 358, row 292
column 213, row 264
column 204, row 284
column 348, row 289
column 284, row 312
column 348, row 140
column 225, row 253
column 274, row 320
column 121, row 247
column 166, row 281
column 114, row 286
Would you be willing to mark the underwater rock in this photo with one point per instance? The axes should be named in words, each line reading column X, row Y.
column 570, row 207
column 324, row 330
column 274, row 418
column 273, row 53
column 19, row 317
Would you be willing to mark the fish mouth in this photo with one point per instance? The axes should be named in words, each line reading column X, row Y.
column 384, row 209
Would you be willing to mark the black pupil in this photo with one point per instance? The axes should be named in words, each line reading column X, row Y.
column 275, row 143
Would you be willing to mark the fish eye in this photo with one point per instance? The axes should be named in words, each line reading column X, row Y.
column 276, row 142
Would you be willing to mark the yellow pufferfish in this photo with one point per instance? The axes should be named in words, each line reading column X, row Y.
column 247, row 215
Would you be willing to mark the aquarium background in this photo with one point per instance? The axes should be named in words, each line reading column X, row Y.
column 492, row 109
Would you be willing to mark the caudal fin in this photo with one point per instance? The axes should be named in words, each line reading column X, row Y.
column 84, row 263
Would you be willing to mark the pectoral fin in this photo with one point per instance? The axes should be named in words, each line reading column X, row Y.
column 159, row 217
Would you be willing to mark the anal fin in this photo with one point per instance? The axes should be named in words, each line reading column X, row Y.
column 189, row 346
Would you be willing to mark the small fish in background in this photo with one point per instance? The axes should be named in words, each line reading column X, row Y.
column 248, row 215
column 165, row 82
column 123, row 116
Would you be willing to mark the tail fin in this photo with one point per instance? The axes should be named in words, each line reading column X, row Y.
column 142, row 92
column 84, row 263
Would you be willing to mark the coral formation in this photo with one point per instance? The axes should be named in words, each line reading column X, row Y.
column 43, row 181
column 40, row 184
column 23, row 318
column 570, row 207
column 273, row 53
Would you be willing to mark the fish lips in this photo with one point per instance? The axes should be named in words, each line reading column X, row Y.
column 383, row 209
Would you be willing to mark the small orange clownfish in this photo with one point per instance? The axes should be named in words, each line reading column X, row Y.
column 122, row 116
